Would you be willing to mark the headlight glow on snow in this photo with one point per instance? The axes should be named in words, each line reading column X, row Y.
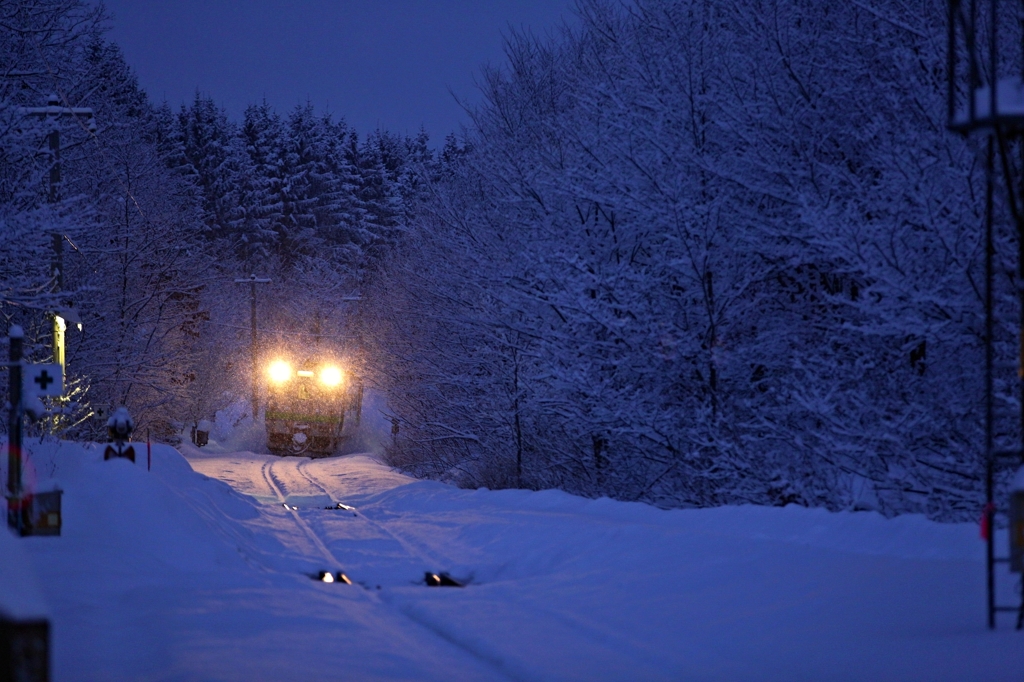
column 280, row 371
column 330, row 376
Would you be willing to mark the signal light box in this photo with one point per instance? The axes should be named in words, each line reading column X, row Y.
column 40, row 513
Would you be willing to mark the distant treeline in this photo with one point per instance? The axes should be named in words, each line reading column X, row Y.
column 274, row 190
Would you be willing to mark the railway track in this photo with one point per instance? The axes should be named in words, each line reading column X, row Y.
column 276, row 489
column 371, row 591
column 430, row 561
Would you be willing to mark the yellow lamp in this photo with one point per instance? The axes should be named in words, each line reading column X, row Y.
column 330, row 376
column 280, row 371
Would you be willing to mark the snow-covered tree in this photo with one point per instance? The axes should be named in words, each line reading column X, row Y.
column 720, row 253
column 142, row 260
column 43, row 45
column 262, row 184
column 213, row 159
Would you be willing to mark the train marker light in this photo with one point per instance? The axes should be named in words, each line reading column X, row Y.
column 440, row 580
column 328, row 577
column 330, row 376
column 280, row 371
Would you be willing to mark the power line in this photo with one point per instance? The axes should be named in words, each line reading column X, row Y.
column 281, row 332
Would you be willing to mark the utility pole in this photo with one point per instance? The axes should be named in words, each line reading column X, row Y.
column 253, row 280
column 51, row 112
column 16, row 337
column 356, row 401
column 985, row 43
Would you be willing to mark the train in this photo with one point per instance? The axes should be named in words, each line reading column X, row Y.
column 307, row 403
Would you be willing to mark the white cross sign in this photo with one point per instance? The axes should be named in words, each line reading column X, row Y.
column 42, row 380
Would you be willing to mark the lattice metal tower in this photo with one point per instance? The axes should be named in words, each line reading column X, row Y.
column 986, row 99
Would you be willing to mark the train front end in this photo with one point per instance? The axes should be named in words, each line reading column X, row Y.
column 306, row 404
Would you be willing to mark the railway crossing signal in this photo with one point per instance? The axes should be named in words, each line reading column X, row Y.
column 42, row 380
column 29, row 513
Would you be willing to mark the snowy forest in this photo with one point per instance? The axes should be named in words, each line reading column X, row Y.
column 686, row 253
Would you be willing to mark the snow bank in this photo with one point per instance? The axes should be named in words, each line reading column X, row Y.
column 131, row 541
column 172, row 574
column 20, row 597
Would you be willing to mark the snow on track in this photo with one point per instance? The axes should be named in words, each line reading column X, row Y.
column 427, row 560
column 304, row 499
column 268, row 475
column 567, row 588
column 173, row 575
column 564, row 588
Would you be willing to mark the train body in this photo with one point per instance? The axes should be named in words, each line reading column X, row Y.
column 307, row 402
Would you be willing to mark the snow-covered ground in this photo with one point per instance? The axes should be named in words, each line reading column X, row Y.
column 197, row 570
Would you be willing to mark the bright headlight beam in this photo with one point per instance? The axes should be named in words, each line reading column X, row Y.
column 280, row 371
column 330, row 376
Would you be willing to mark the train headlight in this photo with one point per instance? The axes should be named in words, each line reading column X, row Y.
column 330, row 376
column 280, row 371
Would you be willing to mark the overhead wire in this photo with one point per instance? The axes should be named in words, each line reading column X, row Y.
column 282, row 332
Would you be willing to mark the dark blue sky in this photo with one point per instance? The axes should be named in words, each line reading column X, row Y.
column 386, row 64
